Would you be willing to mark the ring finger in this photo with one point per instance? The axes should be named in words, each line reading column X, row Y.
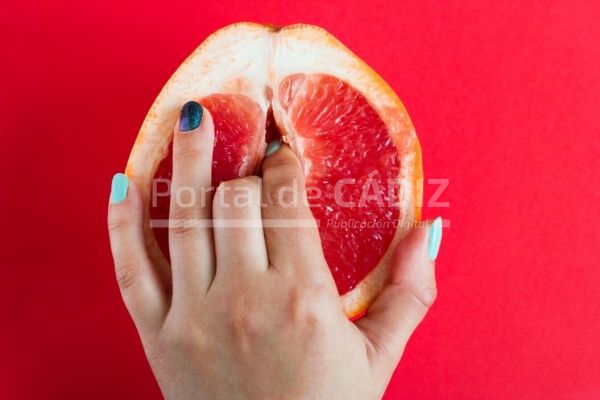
column 239, row 238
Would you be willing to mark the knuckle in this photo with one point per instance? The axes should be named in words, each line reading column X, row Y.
column 156, row 352
column 224, row 190
column 422, row 292
column 175, row 338
column 308, row 307
column 424, row 295
column 187, row 154
column 277, row 161
column 282, row 170
column 181, row 231
column 242, row 324
column 181, row 222
column 283, row 180
column 182, row 332
column 183, row 213
column 247, row 181
column 117, row 224
column 237, row 193
column 127, row 274
column 281, row 189
column 248, row 184
column 421, row 296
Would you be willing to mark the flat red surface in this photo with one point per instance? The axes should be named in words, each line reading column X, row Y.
column 506, row 102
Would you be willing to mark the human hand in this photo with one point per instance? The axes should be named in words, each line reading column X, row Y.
column 254, row 312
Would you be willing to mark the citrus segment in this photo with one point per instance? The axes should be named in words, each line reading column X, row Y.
column 352, row 167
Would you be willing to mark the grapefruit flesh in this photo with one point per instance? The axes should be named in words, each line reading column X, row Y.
column 355, row 203
column 358, row 148
column 351, row 161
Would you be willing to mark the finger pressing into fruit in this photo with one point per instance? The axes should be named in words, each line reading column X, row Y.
column 289, row 223
column 140, row 284
column 408, row 295
column 239, row 239
column 190, row 234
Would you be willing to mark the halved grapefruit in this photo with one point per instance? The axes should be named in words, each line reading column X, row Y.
column 339, row 116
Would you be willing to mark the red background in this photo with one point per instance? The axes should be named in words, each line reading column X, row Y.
column 506, row 102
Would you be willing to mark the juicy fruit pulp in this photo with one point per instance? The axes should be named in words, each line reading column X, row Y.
column 345, row 143
column 350, row 161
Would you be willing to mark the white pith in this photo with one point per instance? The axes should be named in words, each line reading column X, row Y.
column 253, row 60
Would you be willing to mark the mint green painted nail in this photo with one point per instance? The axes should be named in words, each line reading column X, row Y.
column 435, row 238
column 118, row 190
column 273, row 147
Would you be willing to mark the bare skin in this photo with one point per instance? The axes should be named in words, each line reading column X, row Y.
column 254, row 312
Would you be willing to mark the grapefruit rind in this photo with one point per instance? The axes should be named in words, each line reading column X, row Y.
column 253, row 59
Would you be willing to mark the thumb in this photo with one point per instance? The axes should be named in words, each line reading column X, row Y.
column 410, row 292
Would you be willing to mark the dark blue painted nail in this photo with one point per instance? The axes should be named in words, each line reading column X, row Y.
column 191, row 116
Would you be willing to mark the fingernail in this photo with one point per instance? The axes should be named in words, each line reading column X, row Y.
column 118, row 189
column 273, row 147
column 190, row 117
column 435, row 238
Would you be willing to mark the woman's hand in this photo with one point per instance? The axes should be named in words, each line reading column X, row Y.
column 254, row 311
